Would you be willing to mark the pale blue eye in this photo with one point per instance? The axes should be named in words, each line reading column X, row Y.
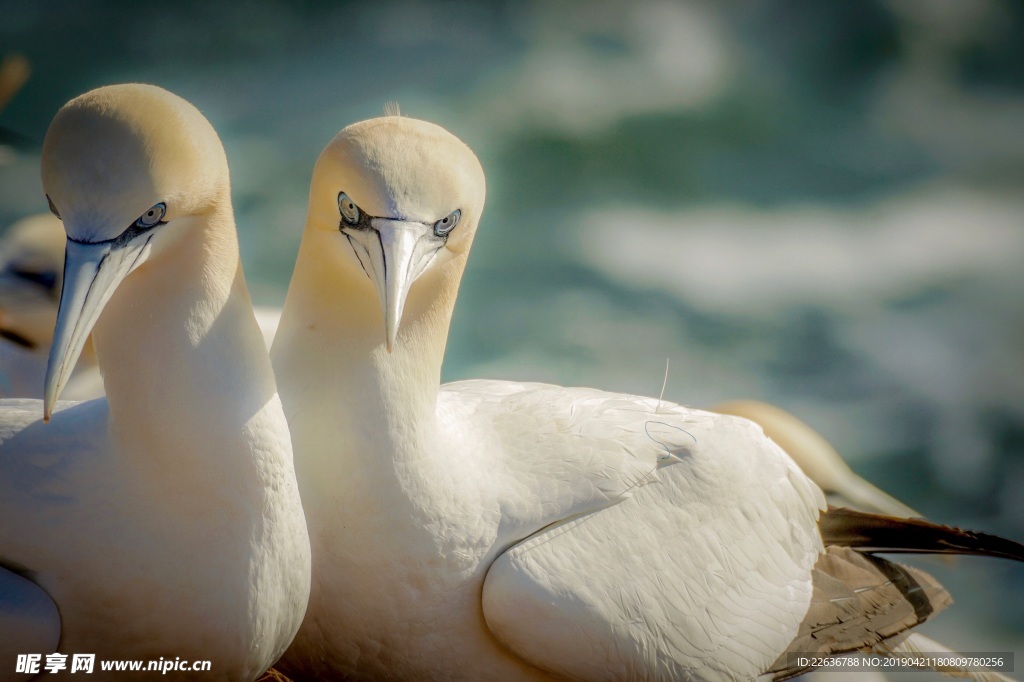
column 153, row 216
column 446, row 224
column 348, row 208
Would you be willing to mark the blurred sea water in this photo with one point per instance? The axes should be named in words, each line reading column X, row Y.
column 815, row 204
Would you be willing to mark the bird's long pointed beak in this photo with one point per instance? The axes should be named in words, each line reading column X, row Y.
column 92, row 273
column 394, row 253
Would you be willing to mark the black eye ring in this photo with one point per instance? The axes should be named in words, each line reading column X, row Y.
column 152, row 217
column 349, row 211
column 444, row 226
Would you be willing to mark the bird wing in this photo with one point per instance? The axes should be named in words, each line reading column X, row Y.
column 31, row 462
column 859, row 600
column 683, row 544
column 44, row 470
column 48, row 465
column 29, row 621
column 554, row 452
column 678, row 542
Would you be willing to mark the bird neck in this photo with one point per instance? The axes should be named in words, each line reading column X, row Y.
column 343, row 391
column 180, row 346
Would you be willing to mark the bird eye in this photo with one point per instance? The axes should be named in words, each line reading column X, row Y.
column 153, row 216
column 348, row 208
column 446, row 224
column 53, row 209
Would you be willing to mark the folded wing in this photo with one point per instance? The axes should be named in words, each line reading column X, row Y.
column 705, row 571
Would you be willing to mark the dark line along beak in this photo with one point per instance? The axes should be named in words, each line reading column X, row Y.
column 92, row 272
column 394, row 253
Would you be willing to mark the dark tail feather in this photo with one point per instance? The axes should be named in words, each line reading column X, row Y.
column 878, row 533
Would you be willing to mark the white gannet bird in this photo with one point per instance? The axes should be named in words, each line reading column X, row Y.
column 498, row 530
column 164, row 520
column 31, row 273
column 817, row 459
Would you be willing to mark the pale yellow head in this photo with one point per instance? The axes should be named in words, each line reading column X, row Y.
column 112, row 154
column 404, row 196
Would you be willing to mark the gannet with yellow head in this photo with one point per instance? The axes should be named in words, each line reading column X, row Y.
column 506, row 531
column 162, row 521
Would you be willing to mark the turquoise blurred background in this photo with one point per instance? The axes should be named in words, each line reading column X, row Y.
column 815, row 204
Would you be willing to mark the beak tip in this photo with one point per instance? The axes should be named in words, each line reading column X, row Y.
column 390, row 331
column 49, row 398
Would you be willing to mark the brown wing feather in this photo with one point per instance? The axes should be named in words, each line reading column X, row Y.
column 858, row 601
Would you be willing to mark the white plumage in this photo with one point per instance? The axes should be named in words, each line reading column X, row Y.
column 163, row 520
